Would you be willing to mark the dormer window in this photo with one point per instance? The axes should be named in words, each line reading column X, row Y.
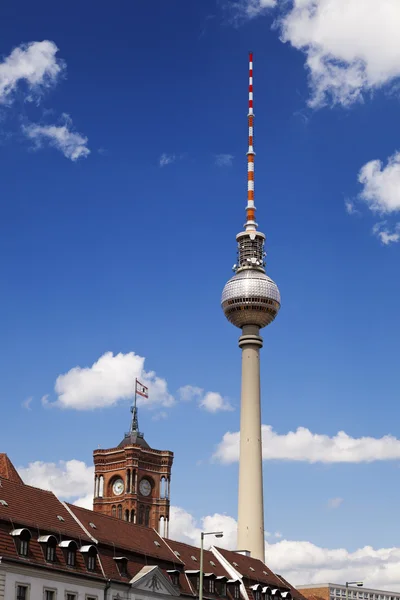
column 122, row 563
column 48, row 543
column 69, row 547
column 174, row 575
column 22, row 538
column 90, row 553
column 223, row 588
column 236, row 592
column 211, row 586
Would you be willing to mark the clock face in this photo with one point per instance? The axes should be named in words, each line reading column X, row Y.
column 118, row 487
column 145, row 487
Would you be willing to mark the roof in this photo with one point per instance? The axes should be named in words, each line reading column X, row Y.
column 295, row 592
column 7, row 469
column 133, row 438
column 39, row 509
column 190, row 556
column 125, row 535
column 252, row 568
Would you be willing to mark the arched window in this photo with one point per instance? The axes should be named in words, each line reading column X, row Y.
column 133, row 516
column 119, row 511
column 141, row 514
column 128, row 481
column 161, row 527
column 89, row 552
column 114, row 511
column 69, row 547
column 22, row 538
column 147, row 518
column 101, row 486
column 162, row 487
column 126, row 517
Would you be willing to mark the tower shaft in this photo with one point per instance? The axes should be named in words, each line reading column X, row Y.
column 251, row 501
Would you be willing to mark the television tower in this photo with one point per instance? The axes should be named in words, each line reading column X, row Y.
column 250, row 300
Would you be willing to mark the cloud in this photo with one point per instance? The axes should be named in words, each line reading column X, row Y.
column 35, row 64
column 303, row 445
column 351, row 47
column 110, row 379
column 383, row 233
column 298, row 561
column 335, row 502
column 248, row 9
column 27, row 403
column 210, row 401
column 350, row 207
column 67, row 479
column 214, row 402
column 187, row 393
column 224, row 160
column 72, row 144
column 167, row 159
column 160, row 416
column 381, row 184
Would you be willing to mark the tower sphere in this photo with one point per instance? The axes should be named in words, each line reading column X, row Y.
column 251, row 298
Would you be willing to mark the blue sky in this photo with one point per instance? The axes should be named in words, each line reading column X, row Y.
column 123, row 187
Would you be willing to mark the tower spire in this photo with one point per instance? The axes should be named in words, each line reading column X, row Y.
column 250, row 224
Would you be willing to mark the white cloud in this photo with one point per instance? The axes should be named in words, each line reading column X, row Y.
column 381, row 184
column 167, row 159
column 303, row 445
column 72, row 144
column 110, row 379
column 210, row 401
column 187, row 393
column 27, row 403
column 34, row 63
column 385, row 235
column 224, row 160
column 250, row 8
column 67, row 479
column 298, row 561
column 214, row 402
column 351, row 47
column 350, row 207
column 335, row 502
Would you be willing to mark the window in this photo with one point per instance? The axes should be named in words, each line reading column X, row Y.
column 49, row 595
column 223, row 588
column 211, row 586
column 147, row 518
column 50, row 552
column 22, row 592
column 114, row 511
column 91, row 597
column 141, row 514
column 70, row 596
column 197, row 583
column 126, row 515
column 122, row 563
column 236, row 592
column 133, row 516
column 71, row 556
column 23, row 547
column 119, row 511
column 257, row 595
column 91, row 562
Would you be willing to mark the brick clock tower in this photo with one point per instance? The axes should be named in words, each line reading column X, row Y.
column 132, row 481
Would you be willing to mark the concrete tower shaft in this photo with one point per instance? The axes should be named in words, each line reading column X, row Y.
column 250, row 300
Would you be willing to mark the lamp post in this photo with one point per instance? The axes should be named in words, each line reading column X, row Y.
column 217, row 534
column 357, row 583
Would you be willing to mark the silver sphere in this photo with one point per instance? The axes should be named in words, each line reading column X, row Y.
column 251, row 298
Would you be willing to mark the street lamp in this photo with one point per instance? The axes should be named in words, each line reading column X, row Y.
column 358, row 583
column 217, row 534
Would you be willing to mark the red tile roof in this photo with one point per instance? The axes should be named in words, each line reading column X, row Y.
column 252, row 569
column 38, row 509
column 186, row 552
column 7, row 469
column 122, row 534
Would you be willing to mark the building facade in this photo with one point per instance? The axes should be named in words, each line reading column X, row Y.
column 337, row 591
column 132, row 482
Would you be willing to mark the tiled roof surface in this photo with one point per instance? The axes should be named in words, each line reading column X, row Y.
column 295, row 593
column 7, row 469
column 36, row 508
column 245, row 564
column 122, row 534
column 186, row 552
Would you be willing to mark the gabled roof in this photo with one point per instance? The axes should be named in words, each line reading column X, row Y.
column 252, row 569
column 39, row 509
column 7, row 469
column 122, row 534
column 190, row 556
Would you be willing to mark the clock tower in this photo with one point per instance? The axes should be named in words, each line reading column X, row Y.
column 132, row 481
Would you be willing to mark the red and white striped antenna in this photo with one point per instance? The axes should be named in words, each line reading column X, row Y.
column 251, row 224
